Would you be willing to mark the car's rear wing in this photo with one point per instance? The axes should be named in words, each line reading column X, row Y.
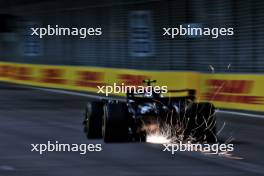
column 182, row 93
column 171, row 94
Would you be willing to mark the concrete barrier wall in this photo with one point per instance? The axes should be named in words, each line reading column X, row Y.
column 231, row 91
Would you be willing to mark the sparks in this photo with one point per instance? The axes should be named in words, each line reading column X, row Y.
column 212, row 68
column 158, row 139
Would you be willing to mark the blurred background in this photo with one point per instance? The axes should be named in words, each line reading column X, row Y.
column 132, row 39
column 122, row 20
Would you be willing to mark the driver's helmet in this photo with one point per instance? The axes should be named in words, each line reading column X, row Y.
column 147, row 109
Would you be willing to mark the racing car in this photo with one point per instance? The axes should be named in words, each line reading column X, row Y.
column 138, row 115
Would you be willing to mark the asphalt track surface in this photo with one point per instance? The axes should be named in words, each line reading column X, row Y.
column 33, row 116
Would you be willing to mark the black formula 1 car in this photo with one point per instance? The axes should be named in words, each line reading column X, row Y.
column 133, row 119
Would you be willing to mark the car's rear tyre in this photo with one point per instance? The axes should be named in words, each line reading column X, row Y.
column 115, row 128
column 93, row 120
column 202, row 122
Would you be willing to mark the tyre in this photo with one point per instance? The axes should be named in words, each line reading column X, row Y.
column 115, row 128
column 93, row 120
column 202, row 122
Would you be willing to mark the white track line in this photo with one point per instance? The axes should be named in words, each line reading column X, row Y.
column 111, row 98
column 77, row 94
column 68, row 92
column 241, row 114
